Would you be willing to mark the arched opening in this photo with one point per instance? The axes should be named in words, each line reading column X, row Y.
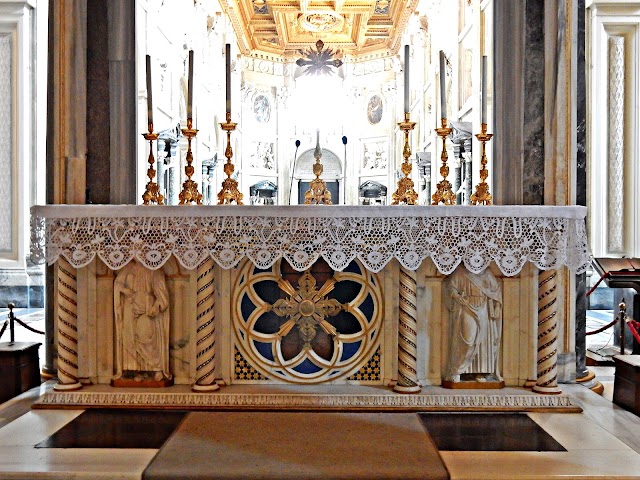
column 332, row 174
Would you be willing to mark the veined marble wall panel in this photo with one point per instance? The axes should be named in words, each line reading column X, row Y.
column 183, row 323
column 391, row 279
column 510, row 329
column 613, row 123
column 7, row 165
column 431, row 304
column 104, row 329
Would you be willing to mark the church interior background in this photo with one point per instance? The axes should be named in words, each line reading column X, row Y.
column 561, row 100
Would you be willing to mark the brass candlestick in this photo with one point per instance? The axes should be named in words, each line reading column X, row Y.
column 229, row 192
column 405, row 193
column 317, row 193
column 152, row 192
column 482, row 195
column 444, row 193
column 189, row 191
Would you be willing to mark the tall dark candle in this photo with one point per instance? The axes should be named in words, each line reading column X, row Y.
column 227, row 54
column 190, row 87
column 149, row 96
column 406, row 78
column 483, row 89
column 443, row 94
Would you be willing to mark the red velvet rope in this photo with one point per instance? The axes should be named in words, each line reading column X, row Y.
column 634, row 326
column 602, row 329
column 606, row 274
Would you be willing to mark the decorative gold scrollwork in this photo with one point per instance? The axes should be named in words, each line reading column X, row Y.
column 306, row 308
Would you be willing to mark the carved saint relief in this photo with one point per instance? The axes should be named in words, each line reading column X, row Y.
column 375, row 156
column 141, row 307
column 474, row 302
column 263, row 156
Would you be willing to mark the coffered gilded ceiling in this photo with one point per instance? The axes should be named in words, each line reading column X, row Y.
column 282, row 28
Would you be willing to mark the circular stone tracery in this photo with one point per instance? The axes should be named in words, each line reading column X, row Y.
column 306, row 327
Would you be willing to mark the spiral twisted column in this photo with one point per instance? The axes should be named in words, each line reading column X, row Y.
column 547, row 381
column 67, row 317
column 407, row 334
column 205, row 333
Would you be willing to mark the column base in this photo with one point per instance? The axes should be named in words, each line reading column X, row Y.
column 529, row 383
column 589, row 376
column 48, row 375
column 67, row 387
column 205, row 388
column 547, row 390
column 589, row 381
column 410, row 389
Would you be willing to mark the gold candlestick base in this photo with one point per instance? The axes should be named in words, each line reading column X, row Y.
column 229, row 192
column 189, row 191
column 444, row 194
column 152, row 191
column 405, row 193
column 481, row 195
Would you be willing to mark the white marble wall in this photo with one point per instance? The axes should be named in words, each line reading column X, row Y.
column 19, row 138
column 612, row 127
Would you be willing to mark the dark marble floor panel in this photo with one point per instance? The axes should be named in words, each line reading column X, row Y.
column 500, row 432
column 113, row 428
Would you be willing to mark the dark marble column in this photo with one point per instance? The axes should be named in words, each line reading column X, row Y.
column 581, row 189
column 533, row 121
column 98, row 123
column 122, row 100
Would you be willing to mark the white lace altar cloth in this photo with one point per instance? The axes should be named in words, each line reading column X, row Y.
column 547, row 236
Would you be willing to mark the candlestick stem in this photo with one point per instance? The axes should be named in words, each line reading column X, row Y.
column 152, row 191
column 444, row 194
column 481, row 195
column 229, row 192
column 189, row 191
column 405, row 194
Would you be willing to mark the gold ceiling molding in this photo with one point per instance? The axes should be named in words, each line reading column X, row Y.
column 357, row 29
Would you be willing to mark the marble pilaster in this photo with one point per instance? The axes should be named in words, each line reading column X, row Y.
column 122, row 101
column 508, row 91
column 66, row 128
column 560, row 24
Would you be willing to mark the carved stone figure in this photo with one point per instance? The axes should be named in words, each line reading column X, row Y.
column 141, row 306
column 474, row 302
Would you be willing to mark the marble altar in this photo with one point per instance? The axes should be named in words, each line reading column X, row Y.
column 332, row 295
